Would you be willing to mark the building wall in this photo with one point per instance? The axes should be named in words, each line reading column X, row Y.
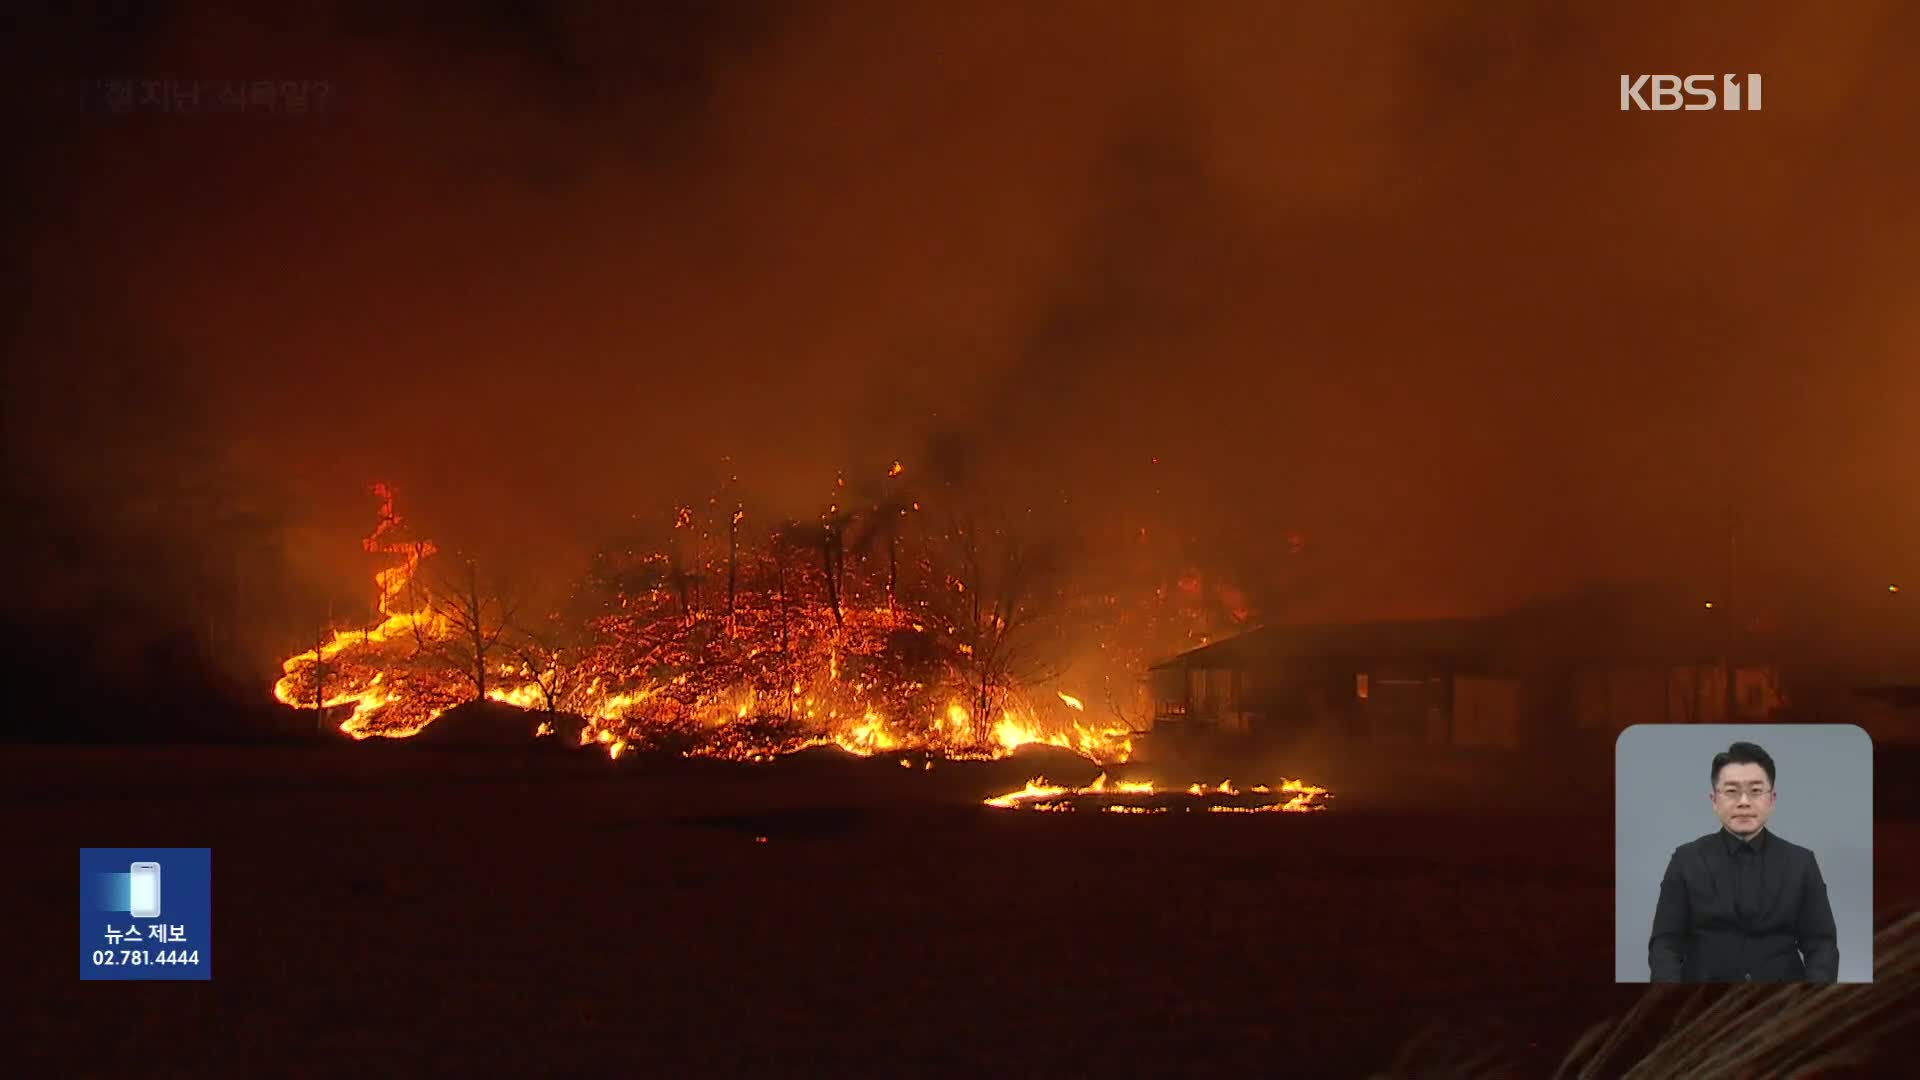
column 1756, row 691
column 1696, row 694
column 1487, row 712
column 1435, row 703
column 1168, row 689
column 1613, row 698
column 1405, row 702
column 1214, row 691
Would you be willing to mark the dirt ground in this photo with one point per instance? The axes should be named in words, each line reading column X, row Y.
column 482, row 913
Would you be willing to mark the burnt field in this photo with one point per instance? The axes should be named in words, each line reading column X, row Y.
column 401, row 909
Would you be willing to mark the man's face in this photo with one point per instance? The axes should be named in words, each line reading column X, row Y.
column 1742, row 798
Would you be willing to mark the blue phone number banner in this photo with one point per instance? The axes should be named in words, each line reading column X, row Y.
column 146, row 913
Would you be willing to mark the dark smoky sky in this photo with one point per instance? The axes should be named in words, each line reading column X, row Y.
column 1399, row 276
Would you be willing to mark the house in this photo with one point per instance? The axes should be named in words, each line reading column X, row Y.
column 1588, row 664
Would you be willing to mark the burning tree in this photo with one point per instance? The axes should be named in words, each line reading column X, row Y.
column 474, row 614
column 1002, row 603
column 876, row 533
column 547, row 655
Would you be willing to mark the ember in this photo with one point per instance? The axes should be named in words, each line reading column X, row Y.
column 1143, row 797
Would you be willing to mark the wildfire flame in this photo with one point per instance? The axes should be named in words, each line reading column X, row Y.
column 775, row 673
column 405, row 615
column 1129, row 797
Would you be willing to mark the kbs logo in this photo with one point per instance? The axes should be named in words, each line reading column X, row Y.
column 1669, row 93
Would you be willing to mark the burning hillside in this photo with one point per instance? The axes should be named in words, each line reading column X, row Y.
column 875, row 631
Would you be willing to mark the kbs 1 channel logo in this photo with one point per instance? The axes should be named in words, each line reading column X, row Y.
column 146, row 913
column 1689, row 93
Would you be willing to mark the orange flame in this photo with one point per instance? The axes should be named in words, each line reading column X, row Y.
column 386, row 676
column 1038, row 794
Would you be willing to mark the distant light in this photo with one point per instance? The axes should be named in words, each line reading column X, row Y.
column 1709, row 603
column 1893, row 588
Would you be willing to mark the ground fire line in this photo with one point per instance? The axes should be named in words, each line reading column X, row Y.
column 1145, row 797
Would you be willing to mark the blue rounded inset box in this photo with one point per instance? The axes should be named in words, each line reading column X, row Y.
column 146, row 913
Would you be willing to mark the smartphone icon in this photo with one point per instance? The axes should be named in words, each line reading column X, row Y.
column 145, row 893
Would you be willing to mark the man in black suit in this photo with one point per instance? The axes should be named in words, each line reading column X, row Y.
column 1741, row 904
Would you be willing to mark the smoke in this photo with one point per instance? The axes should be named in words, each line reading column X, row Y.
column 1404, row 283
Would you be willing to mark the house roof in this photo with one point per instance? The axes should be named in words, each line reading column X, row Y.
column 1421, row 638
column 1617, row 623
